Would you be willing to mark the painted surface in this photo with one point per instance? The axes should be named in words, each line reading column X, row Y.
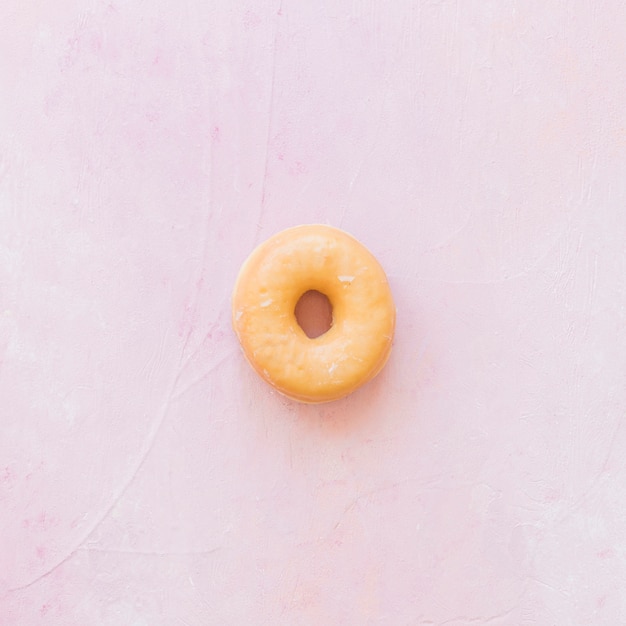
column 148, row 477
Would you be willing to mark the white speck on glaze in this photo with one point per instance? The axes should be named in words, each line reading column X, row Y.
column 238, row 315
column 266, row 302
column 346, row 279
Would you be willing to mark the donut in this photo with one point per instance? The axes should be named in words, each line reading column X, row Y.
column 268, row 288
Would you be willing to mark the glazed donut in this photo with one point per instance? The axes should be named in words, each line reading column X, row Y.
column 270, row 284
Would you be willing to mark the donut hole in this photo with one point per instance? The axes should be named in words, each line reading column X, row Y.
column 314, row 313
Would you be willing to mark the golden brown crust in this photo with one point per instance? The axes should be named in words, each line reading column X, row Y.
column 270, row 283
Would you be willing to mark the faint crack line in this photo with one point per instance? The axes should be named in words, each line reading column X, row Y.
column 176, row 396
column 147, row 446
column 269, row 122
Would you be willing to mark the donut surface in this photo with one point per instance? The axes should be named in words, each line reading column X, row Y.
column 269, row 285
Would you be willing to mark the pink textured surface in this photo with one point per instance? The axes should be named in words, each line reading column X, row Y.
column 148, row 477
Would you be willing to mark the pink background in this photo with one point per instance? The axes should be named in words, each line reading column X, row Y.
column 148, row 477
